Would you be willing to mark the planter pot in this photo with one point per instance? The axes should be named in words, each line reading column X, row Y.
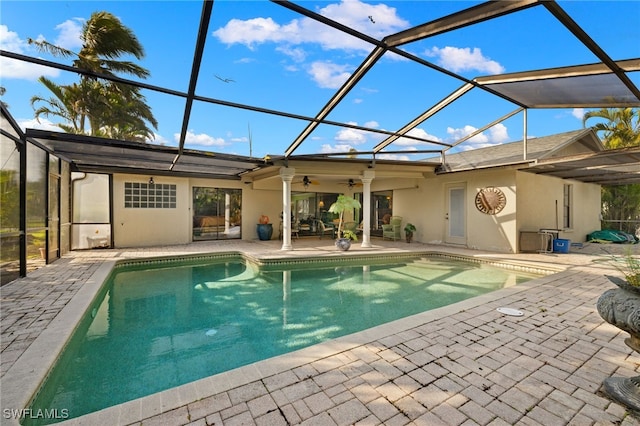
column 621, row 307
column 623, row 284
column 409, row 236
column 265, row 231
column 343, row 244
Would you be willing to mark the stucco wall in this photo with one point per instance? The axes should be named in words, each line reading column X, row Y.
column 139, row 227
column 258, row 202
column 429, row 204
column 537, row 197
column 422, row 202
column 427, row 208
column 531, row 204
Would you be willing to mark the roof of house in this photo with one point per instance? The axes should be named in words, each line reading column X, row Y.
column 577, row 155
column 577, row 141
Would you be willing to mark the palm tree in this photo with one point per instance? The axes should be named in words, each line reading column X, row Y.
column 66, row 103
column 622, row 128
column 620, row 203
column 105, row 39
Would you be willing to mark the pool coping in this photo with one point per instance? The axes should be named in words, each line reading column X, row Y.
column 40, row 357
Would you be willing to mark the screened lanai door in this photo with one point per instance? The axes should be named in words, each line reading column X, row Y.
column 217, row 213
column 455, row 216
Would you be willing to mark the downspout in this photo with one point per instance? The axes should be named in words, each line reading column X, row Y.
column 524, row 137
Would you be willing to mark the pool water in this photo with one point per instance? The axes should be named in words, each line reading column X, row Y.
column 154, row 328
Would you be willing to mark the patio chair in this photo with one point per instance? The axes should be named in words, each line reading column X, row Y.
column 325, row 228
column 352, row 226
column 392, row 230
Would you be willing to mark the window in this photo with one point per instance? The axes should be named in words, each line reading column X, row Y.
column 145, row 195
column 567, row 216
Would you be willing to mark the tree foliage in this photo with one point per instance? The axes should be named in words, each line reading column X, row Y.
column 620, row 129
column 95, row 106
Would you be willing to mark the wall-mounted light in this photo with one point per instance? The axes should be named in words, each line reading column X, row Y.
column 151, row 182
column 321, row 204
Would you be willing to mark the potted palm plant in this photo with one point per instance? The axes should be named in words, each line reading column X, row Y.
column 343, row 203
column 409, row 229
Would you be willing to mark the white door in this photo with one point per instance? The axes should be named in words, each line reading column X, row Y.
column 455, row 216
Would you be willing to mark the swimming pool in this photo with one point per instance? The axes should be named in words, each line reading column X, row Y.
column 156, row 325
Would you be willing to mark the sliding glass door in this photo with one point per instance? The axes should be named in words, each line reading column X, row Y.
column 217, row 213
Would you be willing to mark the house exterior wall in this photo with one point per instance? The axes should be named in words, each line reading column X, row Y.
column 530, row 206
column 140, row 227
column 422, row 202
column 426, row 207
column 537, row 196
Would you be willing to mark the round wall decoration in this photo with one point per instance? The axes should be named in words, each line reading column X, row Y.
column 490, row 200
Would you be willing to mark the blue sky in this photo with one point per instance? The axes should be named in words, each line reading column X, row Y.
column 279, row 60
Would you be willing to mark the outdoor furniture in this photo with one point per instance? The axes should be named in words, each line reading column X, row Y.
column 351, row 226
column 325, row 228
column 392, row 230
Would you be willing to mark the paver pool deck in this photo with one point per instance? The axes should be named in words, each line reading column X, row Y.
column 463, row 364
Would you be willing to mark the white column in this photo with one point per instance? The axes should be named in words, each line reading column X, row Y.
column 366, row 179
column 227, row 212
column 286, row 174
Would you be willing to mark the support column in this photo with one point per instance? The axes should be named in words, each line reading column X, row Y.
column 367, row 177
column 286, row 173
column 227, row 212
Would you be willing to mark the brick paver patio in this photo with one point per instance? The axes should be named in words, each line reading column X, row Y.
column 465, row 364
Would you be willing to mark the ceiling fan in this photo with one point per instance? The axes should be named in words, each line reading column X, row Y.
column 306, row 182
column 352, row 183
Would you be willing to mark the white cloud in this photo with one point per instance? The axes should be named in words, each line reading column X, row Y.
column 418, row 133
column 70, row 32
column 11, row 68
column 296, row 54
column 201, row 139
column 354, row 136
column 458, row 59
column 497, row 134
column 352, row 13
column 158, row 139
column 328, row 149
column 9, row 40
column 398, row 157
column 329, row 75
column 578, row 113
column 43, row 124
column 252, row 31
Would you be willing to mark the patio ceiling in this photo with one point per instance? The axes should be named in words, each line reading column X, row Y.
column 88, row 154
column 604, row 83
